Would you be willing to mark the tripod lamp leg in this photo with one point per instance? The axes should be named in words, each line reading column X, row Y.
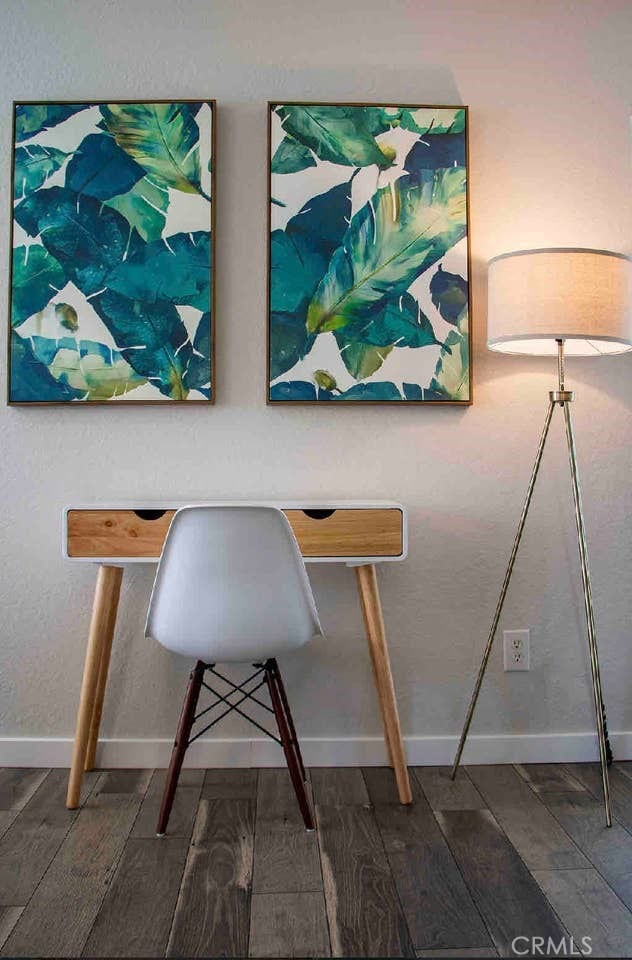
column 503, row 592
column 590, row 618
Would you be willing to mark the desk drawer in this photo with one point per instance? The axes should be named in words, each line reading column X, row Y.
column 349, row 532
column 116, row 533
column 369, row 532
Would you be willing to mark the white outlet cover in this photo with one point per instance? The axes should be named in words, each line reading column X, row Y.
column 516, row 650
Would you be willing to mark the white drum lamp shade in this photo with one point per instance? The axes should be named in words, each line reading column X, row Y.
column 537, row 297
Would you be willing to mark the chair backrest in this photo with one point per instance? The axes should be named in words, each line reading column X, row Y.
column 231, row 585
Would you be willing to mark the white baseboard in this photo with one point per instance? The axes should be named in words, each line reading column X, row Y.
column 351, row 751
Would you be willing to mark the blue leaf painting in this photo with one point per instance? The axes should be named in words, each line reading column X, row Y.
column 162, row 138
column 412, row 391
column 145, row 207
column 289, row 341
column 293, row 390
column 198, row 373
column 449, row 295
column 33, row 118
column 340, row 135
column 298, row 257
column 389, row 243
column 321, row 223
column 93, row 370
column 368, row 276
column 398, row 322
column 372, row 391
column 430, row 153
column 31, row 380
column 87, row 238
column 33, row 165
column 294, row 273
column 151, row 337
column 99, row 168
column 292, row 157
column 175, row 269
column 112, row 274
column 37, row 277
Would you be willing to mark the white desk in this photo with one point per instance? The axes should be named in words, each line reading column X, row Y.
column 357, row 533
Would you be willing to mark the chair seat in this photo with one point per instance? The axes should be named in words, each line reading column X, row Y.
column 238, row 651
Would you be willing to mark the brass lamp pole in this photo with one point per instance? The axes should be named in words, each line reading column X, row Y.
column 581, row 298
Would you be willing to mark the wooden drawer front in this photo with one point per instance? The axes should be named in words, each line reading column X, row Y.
column 115, row 533
column 349, row 533
column 345, row 533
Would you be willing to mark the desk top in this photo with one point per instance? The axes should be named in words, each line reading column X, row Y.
column 342, row 531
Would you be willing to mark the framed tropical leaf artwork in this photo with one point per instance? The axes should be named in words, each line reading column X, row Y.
column 368, row 291
column 112, row 243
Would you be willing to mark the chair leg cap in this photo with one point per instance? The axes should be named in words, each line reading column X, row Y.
column 161, row 834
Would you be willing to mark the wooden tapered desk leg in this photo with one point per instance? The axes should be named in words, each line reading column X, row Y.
column 104, row 666
column 376, row 679
column 106, row 596
column 376, row 637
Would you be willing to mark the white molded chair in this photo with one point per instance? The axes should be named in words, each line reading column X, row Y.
column 231, row 587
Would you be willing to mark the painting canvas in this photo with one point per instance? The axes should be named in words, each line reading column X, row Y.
column 369, row 257
column 111, row 281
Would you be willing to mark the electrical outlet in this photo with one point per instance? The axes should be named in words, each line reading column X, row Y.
column 516, row 649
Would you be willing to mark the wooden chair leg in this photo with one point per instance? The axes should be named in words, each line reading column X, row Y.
column 288, row 717
column 289, row 748
column 180, row 744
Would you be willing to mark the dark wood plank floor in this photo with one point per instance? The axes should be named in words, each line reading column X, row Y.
column 502, row 852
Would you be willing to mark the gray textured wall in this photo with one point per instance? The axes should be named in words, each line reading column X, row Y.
column 548, row 84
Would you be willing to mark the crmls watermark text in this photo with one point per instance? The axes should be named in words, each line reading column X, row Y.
column 548, row 947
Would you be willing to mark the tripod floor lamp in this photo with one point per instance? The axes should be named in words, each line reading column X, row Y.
column 558, row 302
